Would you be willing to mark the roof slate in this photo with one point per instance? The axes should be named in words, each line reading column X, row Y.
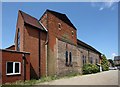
column 81, row 43
column 31, row 20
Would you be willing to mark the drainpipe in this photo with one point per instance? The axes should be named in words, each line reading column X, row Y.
column 24, row 67
column 39, row 57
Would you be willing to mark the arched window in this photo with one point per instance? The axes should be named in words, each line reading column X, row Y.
column 18, row 40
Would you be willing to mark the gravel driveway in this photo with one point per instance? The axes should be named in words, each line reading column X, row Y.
column 102, row 78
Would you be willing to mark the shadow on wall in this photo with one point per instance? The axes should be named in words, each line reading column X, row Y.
column 33, row 74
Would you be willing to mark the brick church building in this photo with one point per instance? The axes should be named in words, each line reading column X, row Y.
column 44, row 47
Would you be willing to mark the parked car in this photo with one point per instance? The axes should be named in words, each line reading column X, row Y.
column 118, row 67
column 113, row 68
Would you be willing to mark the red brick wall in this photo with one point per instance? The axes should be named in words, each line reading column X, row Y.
column 29, row 41
column 31, row 44
column 14, row 57
column 43, row 67
column 54, row 32
column 20, row 26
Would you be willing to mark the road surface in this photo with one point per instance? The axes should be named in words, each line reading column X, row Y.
column 102, row 78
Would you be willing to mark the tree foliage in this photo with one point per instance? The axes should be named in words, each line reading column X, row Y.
column 104, row 63
column 111, row 61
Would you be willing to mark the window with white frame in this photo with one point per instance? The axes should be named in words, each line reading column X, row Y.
column 13, row 68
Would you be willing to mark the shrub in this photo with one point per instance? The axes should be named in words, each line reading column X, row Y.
column 90, row 68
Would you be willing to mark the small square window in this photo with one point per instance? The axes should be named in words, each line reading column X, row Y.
column 13, row 68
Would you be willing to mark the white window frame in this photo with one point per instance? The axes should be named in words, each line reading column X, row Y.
column 14, row 68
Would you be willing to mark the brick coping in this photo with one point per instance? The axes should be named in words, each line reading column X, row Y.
column 14, row 51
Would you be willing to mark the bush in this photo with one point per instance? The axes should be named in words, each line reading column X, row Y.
column 90, row 68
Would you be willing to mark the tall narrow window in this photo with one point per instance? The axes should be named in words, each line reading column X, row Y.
column 83, row 59
column 91, row 60
column 66, row 56
column 96, row 61
column 70, row 56
column 18, row 40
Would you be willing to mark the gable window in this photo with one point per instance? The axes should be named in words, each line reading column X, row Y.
column 18, row 40
column 72, row 33
column 70, row 56
column 66, row 56
column 13, row 68
column 59, row 26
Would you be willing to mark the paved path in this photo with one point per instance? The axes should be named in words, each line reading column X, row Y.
column 103, row 78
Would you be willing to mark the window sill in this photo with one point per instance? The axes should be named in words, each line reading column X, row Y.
column 13, row 74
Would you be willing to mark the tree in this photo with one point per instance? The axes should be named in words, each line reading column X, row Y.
column 111, row 61
column 104, row 63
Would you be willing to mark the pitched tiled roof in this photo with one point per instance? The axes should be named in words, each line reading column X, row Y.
column 31, row 20
column 117, row 58
column 81, row 43
column 62, row 17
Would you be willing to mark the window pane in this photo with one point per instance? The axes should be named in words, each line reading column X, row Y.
column 18, row 41
column 9, row 67
column 83, row 59
column 66, row 57
column 70, row 55
column 16, row 67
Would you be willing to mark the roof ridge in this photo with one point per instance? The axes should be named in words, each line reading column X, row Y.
column 54, row 11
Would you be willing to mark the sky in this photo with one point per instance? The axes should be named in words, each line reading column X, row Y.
column 96, row 23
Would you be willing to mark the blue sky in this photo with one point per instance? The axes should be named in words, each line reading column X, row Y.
column 96, row 23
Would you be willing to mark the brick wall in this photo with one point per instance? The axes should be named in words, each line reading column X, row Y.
column 20, row 26
column 88, row 53
column 14, row 56
column 32, row 40
column 51, row 22
column 62, row 68
column 77, row 61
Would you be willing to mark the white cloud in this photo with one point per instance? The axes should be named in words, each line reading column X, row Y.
column 101, row 8
column 114, row 54
column 107, row 4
